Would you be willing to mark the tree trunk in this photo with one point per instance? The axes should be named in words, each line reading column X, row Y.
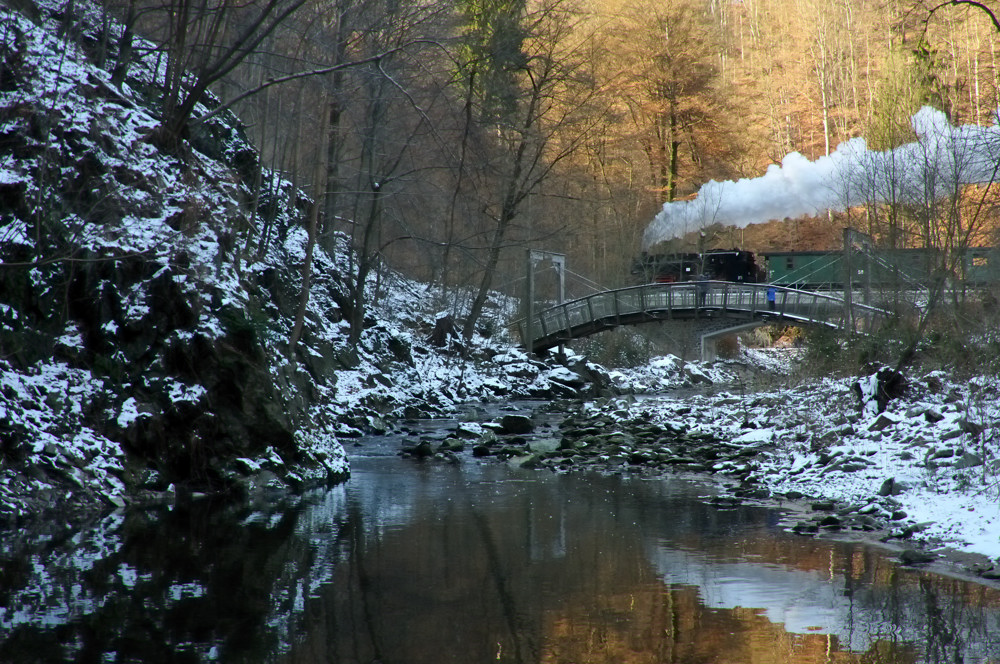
column 125, row 48
column 492, row 259
column 319, row 178
column 674, row 147
column 300, row 313
column 443, row 273
column 336, row 111
column 366, row 258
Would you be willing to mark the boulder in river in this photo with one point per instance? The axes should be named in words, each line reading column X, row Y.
column 915, row 557
column 516, row 424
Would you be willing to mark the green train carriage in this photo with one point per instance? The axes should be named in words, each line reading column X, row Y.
column 895, row 268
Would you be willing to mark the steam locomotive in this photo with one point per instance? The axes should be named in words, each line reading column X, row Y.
column 718, row 264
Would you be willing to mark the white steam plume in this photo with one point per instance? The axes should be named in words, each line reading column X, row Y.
column 942, row 158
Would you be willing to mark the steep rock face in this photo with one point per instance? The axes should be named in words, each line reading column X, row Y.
column 145, row 311
column 138, row 349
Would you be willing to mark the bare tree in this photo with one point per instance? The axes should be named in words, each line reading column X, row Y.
column 203, row 42
column 526, row 71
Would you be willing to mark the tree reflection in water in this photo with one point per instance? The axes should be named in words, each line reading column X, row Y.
column 419, row 564
column 180, row 585
column 561, row 569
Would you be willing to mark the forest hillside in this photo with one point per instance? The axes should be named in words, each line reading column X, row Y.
column 151, row 347
column 445, row 138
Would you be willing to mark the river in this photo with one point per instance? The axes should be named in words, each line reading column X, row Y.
column 413, row 562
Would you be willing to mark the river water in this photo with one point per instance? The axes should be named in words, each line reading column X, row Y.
column 413, row 562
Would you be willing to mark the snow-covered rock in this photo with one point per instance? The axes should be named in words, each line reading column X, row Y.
column 915, row 463
column 143, row 352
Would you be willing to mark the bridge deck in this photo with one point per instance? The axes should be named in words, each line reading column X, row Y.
column 741, row 302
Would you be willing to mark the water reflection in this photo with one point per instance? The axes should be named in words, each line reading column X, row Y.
column 426, row 563
column 570, row 569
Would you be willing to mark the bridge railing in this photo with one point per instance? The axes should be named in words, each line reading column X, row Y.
column 586, row 315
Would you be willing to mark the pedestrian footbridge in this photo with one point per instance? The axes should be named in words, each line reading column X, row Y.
column 742, row 305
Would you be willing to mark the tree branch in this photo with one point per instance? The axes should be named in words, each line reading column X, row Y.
column 978, row 5
column 312, row 72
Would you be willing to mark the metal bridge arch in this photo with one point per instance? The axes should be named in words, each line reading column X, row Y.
column 741, row 303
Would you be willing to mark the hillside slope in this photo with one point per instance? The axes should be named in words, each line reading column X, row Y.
column 142, row 353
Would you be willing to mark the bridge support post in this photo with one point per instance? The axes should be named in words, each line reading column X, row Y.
column 529, row 305
column 848, row 280
column 709, row 348
column 533, row 256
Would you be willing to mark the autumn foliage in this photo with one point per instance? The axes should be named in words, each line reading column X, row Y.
column 445, row 138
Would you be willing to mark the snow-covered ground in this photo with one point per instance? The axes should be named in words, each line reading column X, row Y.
column 927, row 465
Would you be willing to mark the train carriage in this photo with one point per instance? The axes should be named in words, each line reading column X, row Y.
column 888, row 269
column 981, row 266
column 804, row 269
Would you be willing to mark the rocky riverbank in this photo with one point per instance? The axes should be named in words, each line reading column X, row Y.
column 921, row 475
